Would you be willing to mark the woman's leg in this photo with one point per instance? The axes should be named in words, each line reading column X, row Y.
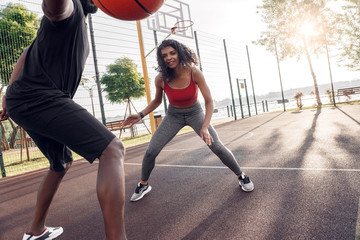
column 195, row 121
column 166, row 131
column 225, row 155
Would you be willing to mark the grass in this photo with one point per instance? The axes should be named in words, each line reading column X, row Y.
column 14, row 166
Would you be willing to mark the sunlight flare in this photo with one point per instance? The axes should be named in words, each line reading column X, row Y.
column 308, row 29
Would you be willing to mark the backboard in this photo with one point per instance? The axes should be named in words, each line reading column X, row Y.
column 172, row 12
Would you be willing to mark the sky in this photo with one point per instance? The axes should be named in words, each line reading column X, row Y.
column 237, row 19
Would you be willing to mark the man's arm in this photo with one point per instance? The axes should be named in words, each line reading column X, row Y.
column 57, row 10
column 18, row 66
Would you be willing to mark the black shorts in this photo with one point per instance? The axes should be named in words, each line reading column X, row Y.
column 59, row 124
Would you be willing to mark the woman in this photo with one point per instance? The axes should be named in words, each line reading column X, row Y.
column 180, row 80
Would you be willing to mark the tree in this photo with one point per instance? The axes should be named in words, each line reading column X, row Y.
column 329, row 93
column 123, row 82
column 18, row 29
column 298, row 96
column 298, row 26
column 348, row 23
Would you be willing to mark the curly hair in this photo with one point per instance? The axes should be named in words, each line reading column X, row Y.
column 186, row 58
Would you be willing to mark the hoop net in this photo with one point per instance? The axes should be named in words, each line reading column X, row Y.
column 181, row 26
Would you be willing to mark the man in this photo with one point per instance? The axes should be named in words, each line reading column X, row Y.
column 39, row 99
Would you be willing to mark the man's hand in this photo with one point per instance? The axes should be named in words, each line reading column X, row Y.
column 3, row 113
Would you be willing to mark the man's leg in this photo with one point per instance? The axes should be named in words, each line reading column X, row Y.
column 46, row 193
column 111, row 189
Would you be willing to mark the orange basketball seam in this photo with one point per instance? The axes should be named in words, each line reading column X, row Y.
column 143, row 7
column 108, row 12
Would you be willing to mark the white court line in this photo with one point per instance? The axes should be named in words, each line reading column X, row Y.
column 357, row 231
column 256, row 168
column 221, row 167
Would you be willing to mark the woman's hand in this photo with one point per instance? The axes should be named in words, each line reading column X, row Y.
column 131, row 120
column 205, row 135
column 3, row 113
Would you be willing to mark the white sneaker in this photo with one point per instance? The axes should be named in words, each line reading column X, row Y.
column 47, row 234
column 140, row 192
column 246, row 184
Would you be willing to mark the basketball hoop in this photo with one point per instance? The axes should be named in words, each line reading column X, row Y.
column 180, row 26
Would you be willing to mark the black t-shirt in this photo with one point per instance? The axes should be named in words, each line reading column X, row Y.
column 54, row 62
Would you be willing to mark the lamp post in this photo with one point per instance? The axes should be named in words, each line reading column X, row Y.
column 238, row 86
column 246, row 92
column 91, row 96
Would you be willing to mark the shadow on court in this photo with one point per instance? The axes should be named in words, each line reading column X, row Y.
column 348, row 115
column 305, row 166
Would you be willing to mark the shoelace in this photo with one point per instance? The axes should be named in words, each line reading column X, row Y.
column 246, row 179
column 139, row 187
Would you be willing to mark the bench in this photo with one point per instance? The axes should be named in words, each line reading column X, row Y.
column 347, row 91
column 116, row 126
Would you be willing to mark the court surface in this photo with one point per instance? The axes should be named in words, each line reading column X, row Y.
column 305, row 166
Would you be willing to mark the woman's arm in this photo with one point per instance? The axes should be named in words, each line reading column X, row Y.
column 132, row 119
column 57, row 10
column 158, row 96
column 209, row 105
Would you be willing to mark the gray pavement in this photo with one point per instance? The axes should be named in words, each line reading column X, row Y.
column 305, row 166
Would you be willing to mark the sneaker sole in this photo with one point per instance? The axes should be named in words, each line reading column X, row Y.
column 56, row 235
column 245, row 190
column 51, row 236
column 142, row 195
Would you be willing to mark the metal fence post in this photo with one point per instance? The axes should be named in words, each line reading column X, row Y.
column 3, row 172
column 228, row 67
column 96, row 70
column 251, row 78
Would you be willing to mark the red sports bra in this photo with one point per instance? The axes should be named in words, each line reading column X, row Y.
column 182, row 96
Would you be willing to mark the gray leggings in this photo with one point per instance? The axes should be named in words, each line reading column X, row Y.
column 174, row 120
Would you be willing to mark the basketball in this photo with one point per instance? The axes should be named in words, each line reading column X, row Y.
column 129, row 10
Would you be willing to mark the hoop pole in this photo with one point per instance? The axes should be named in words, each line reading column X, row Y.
column 157, row 45
column 146, row 76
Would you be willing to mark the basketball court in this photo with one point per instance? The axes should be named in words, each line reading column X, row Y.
column 305, row 167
